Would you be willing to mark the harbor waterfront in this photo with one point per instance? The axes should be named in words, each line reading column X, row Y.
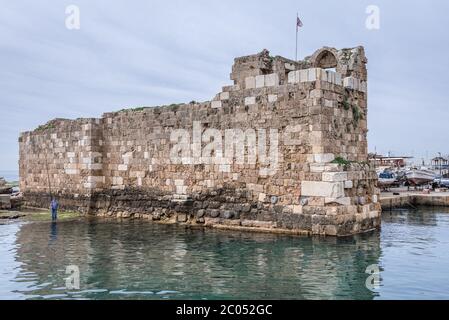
column 407, row 199
column 135, row 259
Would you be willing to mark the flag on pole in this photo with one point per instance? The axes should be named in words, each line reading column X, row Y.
column 298, row 25
column 298, row 22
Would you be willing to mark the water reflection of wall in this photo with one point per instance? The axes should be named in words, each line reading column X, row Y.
column 309, row 268
column 197, row 263
column 46, row 249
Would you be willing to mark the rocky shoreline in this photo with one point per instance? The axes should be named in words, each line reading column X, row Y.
column 10, row 196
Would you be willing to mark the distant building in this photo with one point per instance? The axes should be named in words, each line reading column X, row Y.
column 441, row 165
column 389, row 161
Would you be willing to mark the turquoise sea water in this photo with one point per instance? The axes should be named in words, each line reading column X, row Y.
column 141, row 260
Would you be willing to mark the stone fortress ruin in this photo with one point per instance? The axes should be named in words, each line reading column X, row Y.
column 283, row 149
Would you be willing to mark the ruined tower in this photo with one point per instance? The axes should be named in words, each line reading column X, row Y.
column 282, row 149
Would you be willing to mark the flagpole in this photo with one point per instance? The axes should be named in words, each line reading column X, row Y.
column 296, row 52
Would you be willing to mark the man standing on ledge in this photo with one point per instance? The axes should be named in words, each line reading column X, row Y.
column 54, row 209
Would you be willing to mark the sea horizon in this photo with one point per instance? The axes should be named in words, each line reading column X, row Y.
column 10, row 175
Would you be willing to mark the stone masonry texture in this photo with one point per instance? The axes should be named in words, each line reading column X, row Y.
column 308, row 118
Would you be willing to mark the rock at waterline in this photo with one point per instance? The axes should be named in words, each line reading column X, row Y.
column 5, row 201
column 10, row 197
column 6, row 190
column 11, row 215
column 4, row 187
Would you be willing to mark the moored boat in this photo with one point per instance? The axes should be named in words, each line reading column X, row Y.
column 420, row 176
column 386, row 179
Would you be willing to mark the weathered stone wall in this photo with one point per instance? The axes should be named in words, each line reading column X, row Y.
column 283, row 148
column 62, row 157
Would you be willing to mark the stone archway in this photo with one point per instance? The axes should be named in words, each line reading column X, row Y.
column 325, row 59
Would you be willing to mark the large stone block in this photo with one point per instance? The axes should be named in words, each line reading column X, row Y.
column 292, row 77
column 324, row 158
column 289, row 66
column 179, row 182
column 363, row 87
column 71, row 171
column 272, row 80
column 96, row 179
column 345, row 201
column 250, row 101
column 250, row 83
column 313, row 74
column 330, row 75
column 260, row 81
column 272, row 98
column 122, row 167
column 117, row 180
column 303, row 75
column 322, row 189
column 322, row 75
column 95, row 166
column 338, row 79
column 349, row 184
column 335, row 176
column 224, row 96
column 216, row 104
column 316, row 93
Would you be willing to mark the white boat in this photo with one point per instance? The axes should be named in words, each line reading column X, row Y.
column 386, row 178
column 420, row 176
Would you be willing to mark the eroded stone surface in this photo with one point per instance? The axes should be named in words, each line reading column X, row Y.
column 132, row 164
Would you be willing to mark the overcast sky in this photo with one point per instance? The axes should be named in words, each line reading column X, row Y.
column 144, row 53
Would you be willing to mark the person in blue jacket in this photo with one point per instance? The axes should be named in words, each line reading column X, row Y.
column 54, row 209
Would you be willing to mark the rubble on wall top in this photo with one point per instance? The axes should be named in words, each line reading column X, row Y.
column 348, row 62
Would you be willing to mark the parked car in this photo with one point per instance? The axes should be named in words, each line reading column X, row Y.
column 441, row 182
column 444, row 182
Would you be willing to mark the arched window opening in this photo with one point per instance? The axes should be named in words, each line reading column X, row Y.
column 326, row 60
